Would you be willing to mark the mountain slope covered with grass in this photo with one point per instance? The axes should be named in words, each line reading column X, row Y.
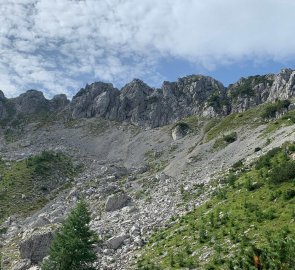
column 250, row 213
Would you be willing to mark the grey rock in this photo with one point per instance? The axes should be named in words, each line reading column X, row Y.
column 144, row 106
column 22, row 265
column 117, row 201
column 36, row 246
column 178, row 132
column 41, row 221
column 2, row 96
column 116, row 241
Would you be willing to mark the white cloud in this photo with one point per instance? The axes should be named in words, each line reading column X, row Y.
column 54, row 44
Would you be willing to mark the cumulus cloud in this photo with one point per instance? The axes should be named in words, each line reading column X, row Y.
column 57, row 45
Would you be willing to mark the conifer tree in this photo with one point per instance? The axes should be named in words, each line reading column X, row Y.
column 72, row 248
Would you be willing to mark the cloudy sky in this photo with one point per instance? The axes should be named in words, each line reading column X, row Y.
column 58, row 46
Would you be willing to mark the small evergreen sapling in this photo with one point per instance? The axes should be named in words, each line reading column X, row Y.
column 72, row 248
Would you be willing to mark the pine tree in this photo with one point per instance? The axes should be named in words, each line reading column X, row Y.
column 72, row 247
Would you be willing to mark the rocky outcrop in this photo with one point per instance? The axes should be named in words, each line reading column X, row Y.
column 255, row 90
column 32, row 103
column 36, row 246
column 144, row 106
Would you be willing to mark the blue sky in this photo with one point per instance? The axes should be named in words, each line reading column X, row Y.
column 58, row 46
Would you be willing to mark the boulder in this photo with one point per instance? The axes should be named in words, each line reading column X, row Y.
column 36, row 246
column 22, row 265
column 116, row 241
column 179, row 131
column 117, row 201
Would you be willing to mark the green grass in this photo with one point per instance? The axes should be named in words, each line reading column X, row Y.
column 155, row 161
column 252, row 213
column 26, row 185
column 190, row 123
column 287, row 119
column 251, row 118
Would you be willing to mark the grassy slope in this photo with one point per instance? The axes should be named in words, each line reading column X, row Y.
column 25, row 185
column 246, row 209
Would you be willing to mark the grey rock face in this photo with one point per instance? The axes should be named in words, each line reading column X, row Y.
column 59, row 102
column 117, row 201
column 255, row 90
column 36, row 246
column 142, row 105
column 2, row 95
column 32, row 101
column 95, row 100
column 139, row 104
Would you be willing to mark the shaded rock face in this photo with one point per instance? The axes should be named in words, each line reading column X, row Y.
column 32, row 102
column 117, row 201
column 36, row 247
column 255, row 90
column 2, row 95
column 142, row 105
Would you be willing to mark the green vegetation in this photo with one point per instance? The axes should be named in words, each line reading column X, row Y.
column 225, row 140
column 27, row 185
column 247, row 84
column 287, row 119
column 183, row 126
column 216, row 101
column 251, row 117
column 251, row 213
column 155, row 161
column 271, row 109
column 189, row 124
column 72, row 248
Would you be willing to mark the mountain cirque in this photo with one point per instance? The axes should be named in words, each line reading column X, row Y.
column 134, row 170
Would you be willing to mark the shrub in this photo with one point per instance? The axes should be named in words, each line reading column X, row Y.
column 265, row 161
column 271, row 110
column 289, row 194
column 230, row 138
column 231, row 179
column 238, row 164
column 184, row 127
column 283, row 172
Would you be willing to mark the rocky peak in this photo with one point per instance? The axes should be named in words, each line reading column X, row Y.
column 143, row 105
column 93, row 100
column 2, row 96
column 31, row 102
column 136, row 89
column 59, row 102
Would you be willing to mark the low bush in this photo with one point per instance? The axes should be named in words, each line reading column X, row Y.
column 230, row 138
column 283, row 172
column 271, row 110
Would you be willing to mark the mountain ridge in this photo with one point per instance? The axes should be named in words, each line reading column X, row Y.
column 142, row 105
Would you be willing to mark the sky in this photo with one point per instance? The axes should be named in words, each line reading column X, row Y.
column 57, row 46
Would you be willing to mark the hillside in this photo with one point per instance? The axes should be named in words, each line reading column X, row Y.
column 193, row 175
